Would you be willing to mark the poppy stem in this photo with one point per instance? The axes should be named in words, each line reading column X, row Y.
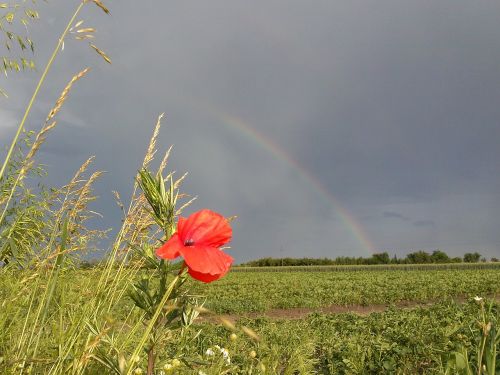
column 152, row 324
column 151, row 353
column 151, row 360
column 181, row 270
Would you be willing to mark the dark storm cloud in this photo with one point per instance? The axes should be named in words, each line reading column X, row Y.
column 395, row 215
column 424, row 223
column 391, row 105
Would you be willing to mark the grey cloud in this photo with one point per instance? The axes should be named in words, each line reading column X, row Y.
column 8, row 121
column 424, row 223
column 396, row 215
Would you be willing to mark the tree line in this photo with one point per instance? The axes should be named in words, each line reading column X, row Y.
column 417, row 257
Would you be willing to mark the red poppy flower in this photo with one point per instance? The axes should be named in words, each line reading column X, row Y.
column 198, row 240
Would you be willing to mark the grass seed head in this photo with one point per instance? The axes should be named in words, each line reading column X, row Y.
column 227, row 323
column 251, row 333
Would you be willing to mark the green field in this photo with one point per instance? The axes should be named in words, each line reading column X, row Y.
column 398, row 341
column 419, row 339
column 260, row 291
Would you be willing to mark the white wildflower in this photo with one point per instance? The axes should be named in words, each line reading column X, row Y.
column 176, row 362
column 168, row 367
column 225, row 355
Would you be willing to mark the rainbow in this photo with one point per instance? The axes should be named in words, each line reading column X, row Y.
column 348, row 219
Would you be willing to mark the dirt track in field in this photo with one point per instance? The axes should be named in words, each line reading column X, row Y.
column 302, row 312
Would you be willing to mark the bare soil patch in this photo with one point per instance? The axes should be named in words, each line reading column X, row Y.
column 302, row 312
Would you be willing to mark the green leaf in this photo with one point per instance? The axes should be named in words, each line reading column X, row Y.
column 460, row 361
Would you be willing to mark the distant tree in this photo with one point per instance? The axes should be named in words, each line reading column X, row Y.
column 89, row 263
column 381, row 258
column 419, row 257
column 439, row 256
column 343, row 260
column 472, row 257
column 264, row 262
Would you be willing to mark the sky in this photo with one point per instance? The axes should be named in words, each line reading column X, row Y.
column 330, row 128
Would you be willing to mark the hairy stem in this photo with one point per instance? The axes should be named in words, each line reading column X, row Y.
column 151, row 361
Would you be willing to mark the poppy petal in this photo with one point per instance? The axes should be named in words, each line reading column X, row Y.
column 171, row 249
column 205, row 277
column 205, row 228
column 206, row 260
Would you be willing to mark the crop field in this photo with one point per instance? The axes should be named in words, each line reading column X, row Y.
column 260, row 291
column 427, row 319
column 397, row 341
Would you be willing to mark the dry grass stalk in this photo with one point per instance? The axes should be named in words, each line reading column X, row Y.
column 178, row 182
column 137, row 221
column 140, row 222
column 179, row 210
column 26, row 166
column 79, row 214
column 150, row 153
column 84, row 194
column 118, row 200
column 87, row 352
column 101, row 53
column 73, row 200
column 82, row 169
column 40, row 139
column 71, row 187
column 101, row 5
column 65, row 93
column 164, row 161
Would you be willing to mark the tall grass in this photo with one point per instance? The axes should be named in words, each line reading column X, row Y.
column 42, row 331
